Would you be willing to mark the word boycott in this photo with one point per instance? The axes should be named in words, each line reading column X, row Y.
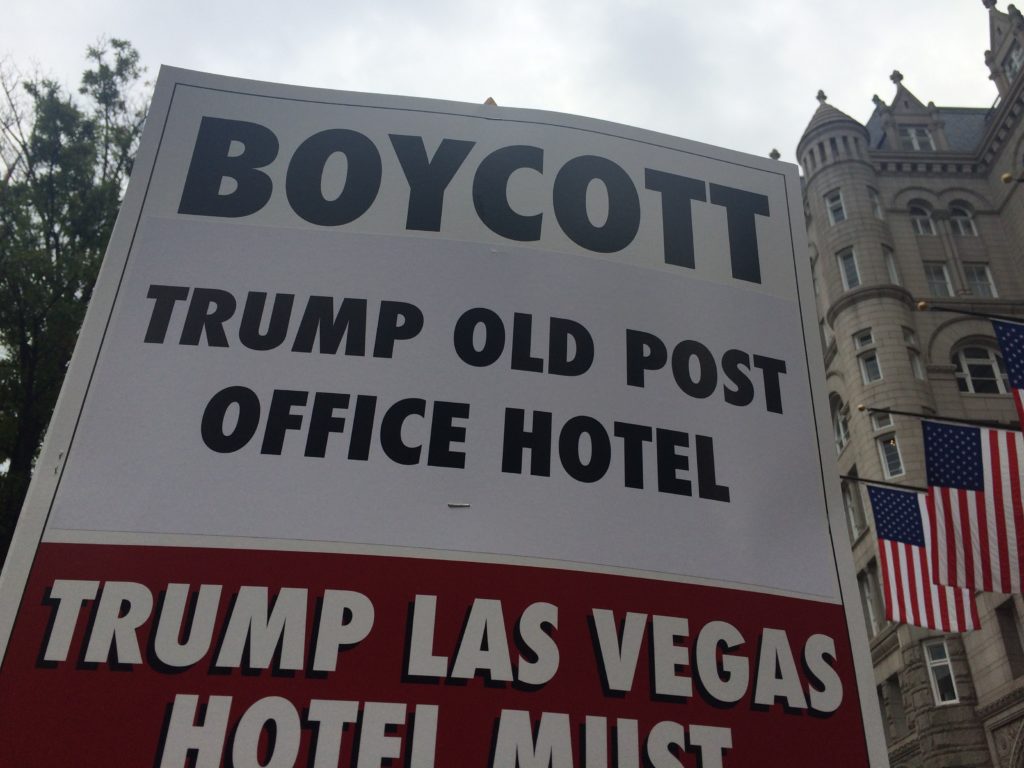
column 232, row 155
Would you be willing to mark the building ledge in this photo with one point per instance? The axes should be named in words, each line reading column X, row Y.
column 1009, row 699
column 866, row 293
column 884, row 643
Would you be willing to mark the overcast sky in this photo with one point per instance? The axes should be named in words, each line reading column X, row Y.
column 740, row 74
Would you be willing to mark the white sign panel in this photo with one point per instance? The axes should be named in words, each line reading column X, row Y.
column 427, row 364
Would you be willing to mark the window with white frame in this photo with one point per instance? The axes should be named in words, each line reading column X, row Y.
column 913, row 353
column 961, row 221
column 871, row 599
column 840, row 421
column 980, row 371
column 876, row 203
column 890, row 265
column 916, row 138
column 856, row 521
column 863, row 339
column 979, row 280
column 848, row 268
column 937, row 275
column 834, row 204
column 889, row 453
column 940, row 672
column 881, row 421
column 1014, row 61
column 921, row 220
column 916, row 364
column 870, row 368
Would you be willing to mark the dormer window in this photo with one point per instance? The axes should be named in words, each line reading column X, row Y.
column 916, row 138
column 1014, row 61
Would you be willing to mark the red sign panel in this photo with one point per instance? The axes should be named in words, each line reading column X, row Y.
column 285, row 658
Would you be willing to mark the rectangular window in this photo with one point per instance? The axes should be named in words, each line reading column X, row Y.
column 890, row 265
column 840, row 422
column 938, row 278
column 894, row 714
column 889, row 453
column 863, row 339
column 909, row 337
column 876, row 203
column 980, row 370
column 916, row 138
column 848, row 268
column 1009, row 629
column 880, row 421
column 834, row 204
column 856, row 522
column 979, row 280
column 870, row 369
column 915, row 363
column 870, row 599
column 940, row 670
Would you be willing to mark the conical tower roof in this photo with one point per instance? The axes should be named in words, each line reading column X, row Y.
column 826, row 113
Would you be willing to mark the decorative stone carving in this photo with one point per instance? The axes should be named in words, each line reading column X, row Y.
column 1009, row 749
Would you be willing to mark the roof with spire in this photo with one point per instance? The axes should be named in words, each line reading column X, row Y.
column 826, row 113
column 964, row 126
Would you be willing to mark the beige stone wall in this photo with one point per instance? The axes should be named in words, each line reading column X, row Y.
column 983, row 727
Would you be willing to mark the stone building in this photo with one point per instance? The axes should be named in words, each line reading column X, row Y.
column 912, row 205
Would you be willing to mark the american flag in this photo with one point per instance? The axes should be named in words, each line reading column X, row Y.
column 974, row 505
column 1011, row 341
column 911, row 596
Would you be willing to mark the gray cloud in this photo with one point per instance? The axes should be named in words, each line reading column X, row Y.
column 741, row 75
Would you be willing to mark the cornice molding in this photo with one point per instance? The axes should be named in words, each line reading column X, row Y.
column 866, row 293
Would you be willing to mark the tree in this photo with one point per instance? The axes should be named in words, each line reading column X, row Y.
column 64, row 164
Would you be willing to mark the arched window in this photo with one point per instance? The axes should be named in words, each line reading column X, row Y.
column 980, row 370
column 961, row 221
column 921, row 220
column 840, row 421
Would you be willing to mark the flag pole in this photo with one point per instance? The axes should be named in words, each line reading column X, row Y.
column 866, row 481
column 949, row 419
column 925, row 306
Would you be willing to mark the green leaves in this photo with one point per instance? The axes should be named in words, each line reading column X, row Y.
column 65, row 164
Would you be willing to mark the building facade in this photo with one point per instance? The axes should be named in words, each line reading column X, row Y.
column 913, row 206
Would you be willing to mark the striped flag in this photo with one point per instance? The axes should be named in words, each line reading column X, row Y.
column 1011, row 341
column 911, row 596
column 974, row 505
